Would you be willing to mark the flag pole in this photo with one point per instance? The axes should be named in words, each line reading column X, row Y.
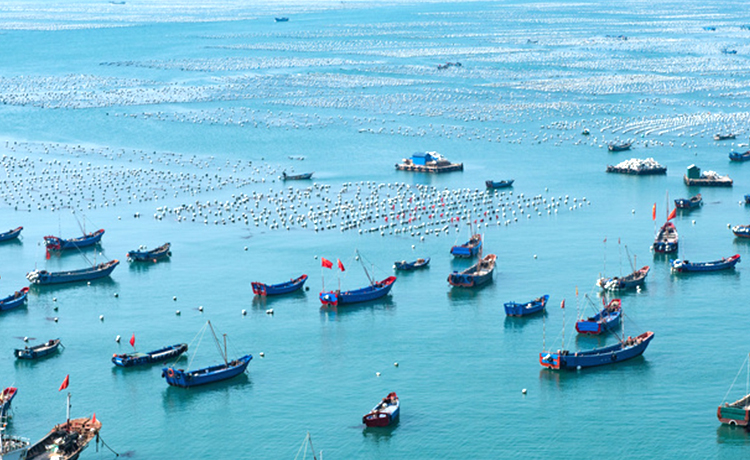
column 68, row 411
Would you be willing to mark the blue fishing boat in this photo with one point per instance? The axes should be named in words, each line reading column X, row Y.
column 10, row 234
column 385, row 413
column 60, row 244
column 476, row 275
column 284, row 19
column 624, row 282
column 85, row 274
column 747, row 199
column 626, row 349
column 156, row 356
column 605, row 320
column 38, row 351
column 406, row 266
column 281, row 288
column 152, row 255
column 741, row 231
column 14, row 300
column 689, row 203
column 528, row 308
column 6, row 397
column 739, row 156
column 723, row 137
column 681, row 266
column 305, row 176
column 500, row 184
column 469, row 249
column 619, row 147
column 373, row 291
column 666, row 240
column 186, row 378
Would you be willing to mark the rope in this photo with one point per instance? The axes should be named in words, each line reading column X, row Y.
column 735, row 379
column 201, row 333
column 99, row 439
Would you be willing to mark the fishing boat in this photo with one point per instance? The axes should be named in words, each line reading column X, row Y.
column 666, row 240
column 468, row 249
column 12, row 447
column 619, row 147
column 605, row 320
column 500, row 184
column 741, row 231
column 281, row 288
column 156, row 356
column 695, row 177
column 723, row 137
column 739, row 156
column 528, row 308
column 736, row 413
column 85, row 274
column 10, row 234
column 66, row 441
column 14, row 300
column 626, row 349
column 385, row 413
column 6, row 397
column 476, row 275
column 404, row 265
column 689, row 203
column 624, row 282
column 60, row 244
column 747, row 199
column 374, row 291
column 152, row 255
column 285, row 176
column 186, row 378
column 38, row 351
column 285, row 19
column 681, row 266
column 431, row 162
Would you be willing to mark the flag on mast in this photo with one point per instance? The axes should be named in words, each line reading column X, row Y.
column 653, row 212
column 65, row 383
column 132, row 341
column 341, row 266
column 326, row 263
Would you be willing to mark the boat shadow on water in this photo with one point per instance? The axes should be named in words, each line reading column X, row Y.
column 40, row 361
column 100, row 283
column 520, row 322
column 458, row 294
column 260, row 302
column 383, row 304
column 379, row 434
column 141, row 267
column 175, row 397
column 635, row 366
column 143, row 368
column 732, row 435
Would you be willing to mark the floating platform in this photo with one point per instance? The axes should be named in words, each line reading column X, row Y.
column 638, row 167
column 429, row 162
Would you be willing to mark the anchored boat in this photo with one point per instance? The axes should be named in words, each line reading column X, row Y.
column 406, row 266
column 738, row 412
column 60, row 244
column 277, row 289
column 605, row 320
column 681, row 266
column 476, row 275
column 14, row 300
column 152, row 255
column 385, row 413
column 528, row 308
column 6, row 397
column 85, row 274
column 38, row 351
column 10, row 234
column 626, row 349
column 156, row 356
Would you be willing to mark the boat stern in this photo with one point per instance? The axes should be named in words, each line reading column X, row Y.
column 329, row 298
column 549, row 360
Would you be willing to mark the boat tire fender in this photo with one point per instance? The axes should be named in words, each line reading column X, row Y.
column 170, row 372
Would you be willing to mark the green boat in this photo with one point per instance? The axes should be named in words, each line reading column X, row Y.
column 738, row 412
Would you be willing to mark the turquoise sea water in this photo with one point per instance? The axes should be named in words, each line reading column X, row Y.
column 147, row 109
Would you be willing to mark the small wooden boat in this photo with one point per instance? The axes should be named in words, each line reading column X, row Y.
column 14, row 300
column 12, row 447
column 281, row 288
column 627, row 349
column 385, row 413
column 38, row 351
column 625, row 282
column 741, row 231
column 59, row 244
column 476, row 275
column 689, row 203
column 84, row 274
column 151, row 255
column 606, row 320
column 738, row 412
column 66, row 441
column 666, row 240
column 681, row 266
column 528, row 308
column 739, row 156
column 6, row 397
column 404, row 265
column 469, row 249
column 723, row 137
column 10, row 234
column 285, row 176
column 156, row 356
column 284, row 19
column 371, row 292
column 619, row 147
column 500, row 184
column 187, row 378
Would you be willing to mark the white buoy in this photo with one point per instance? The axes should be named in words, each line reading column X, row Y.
column 377, row 374
column 117, row 339
column 693, row 221
column 523, row 391
column 395, row 364
column 101, row 317
column 54, row 299
column 200, row 308
column 244, row 312
column 269, row 311
column 117, row 295
column 632, row 211
column 174, row 298
column 25, row 339
column 535, row 256
column 261, row 354
column 55, row 319
column 177, row 312
column 245, row 248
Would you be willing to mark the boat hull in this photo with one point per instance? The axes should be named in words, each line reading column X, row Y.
column 6, row 397
column 277, row 289
column 684, row 266
column 634, row 279
column 157, row 356
column 528, row 308
column 500, row 184
column 417, row 264
column 476, row 275
column 598, row 356
column 38, row 351
column 152, row 255
column 58, row 440
column 376, row 291
column 85, row 274
column 469, row 249
column 60, row 244
column 14, row 300
column 384, row 413
column 741, row 231
column 181, row 378
column 11, row 234
column 733, row 416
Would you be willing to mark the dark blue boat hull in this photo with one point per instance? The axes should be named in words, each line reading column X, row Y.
column 13, row 301
column 528, row 308
column 60, row 244
column 278, row 289
column 86, row 274
column 596, row 357
column 157, row 356
column 38, row 351
column 180, row 378
column 10, row 235
column 152, row 255
column 365, row 294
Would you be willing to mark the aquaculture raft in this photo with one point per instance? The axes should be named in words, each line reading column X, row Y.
column 638, row 167
column 431, row 162
column 694, row 176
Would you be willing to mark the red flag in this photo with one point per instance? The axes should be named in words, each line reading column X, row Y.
column 65, row 383
column 93, row 419
column 341, row 266
column 562, row 304
column 326, row 263
column 132, row 341
column 653, row 212
column 672, row 214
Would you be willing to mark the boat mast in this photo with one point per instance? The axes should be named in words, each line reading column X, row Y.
column 224, row 353
column 632, row 262
column 67, row 414
column 309, row 438
column 359, row 258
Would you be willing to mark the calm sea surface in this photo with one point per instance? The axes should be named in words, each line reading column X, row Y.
column 186, row 117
